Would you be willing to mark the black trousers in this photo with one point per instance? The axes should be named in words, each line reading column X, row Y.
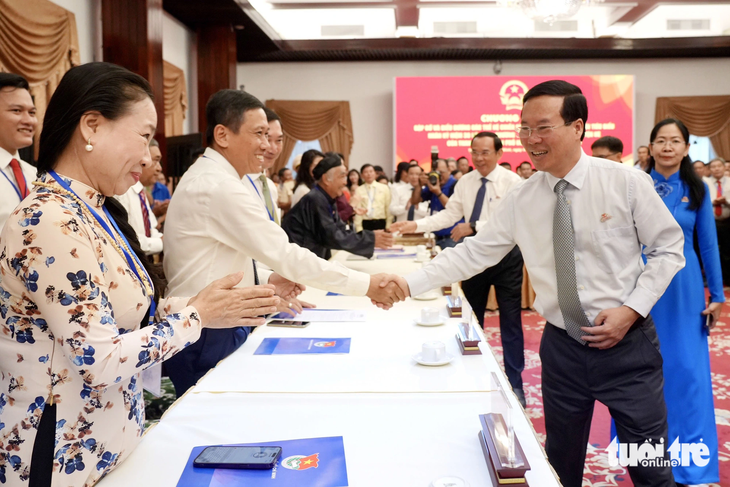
column 723, row 241
column 373, row 224
column 41, row 461
column 627, row 378
column 506, row 277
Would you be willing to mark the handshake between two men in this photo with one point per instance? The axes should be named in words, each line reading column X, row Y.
column 387, row 289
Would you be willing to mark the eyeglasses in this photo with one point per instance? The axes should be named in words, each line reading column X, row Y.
column 673, row 142
column 542, row 131
column 485, row 153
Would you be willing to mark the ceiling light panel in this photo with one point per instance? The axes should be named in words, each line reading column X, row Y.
column 335, row 23
column 656, row 23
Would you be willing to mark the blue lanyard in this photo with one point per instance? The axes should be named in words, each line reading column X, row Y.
column 271, row 217
column 131, row 259
column 16, row 188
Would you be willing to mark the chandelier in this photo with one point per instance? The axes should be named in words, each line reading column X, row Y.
column 547, row 11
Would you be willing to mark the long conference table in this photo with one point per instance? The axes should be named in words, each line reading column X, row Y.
column 402, row 424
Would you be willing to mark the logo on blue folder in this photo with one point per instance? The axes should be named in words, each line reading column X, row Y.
column 300, row 462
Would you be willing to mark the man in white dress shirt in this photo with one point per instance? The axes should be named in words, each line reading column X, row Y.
column 719, row 186
column 215, row 224
column 580, row 223
column 475, row 198
column 137, row 204
column 17, row 126
column 400, row 192
column 264, row 186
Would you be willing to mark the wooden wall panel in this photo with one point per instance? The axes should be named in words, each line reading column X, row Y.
column 216, row 64
column 132, row 38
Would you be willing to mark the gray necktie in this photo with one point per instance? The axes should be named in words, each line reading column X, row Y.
column 564, row 249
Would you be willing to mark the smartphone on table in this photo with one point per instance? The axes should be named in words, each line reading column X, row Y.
column 283, row 319
column 244, row 457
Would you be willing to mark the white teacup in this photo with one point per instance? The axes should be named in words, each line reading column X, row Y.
column 423, row 255
column 420, row 248
column 433, row 351
column 430, row 315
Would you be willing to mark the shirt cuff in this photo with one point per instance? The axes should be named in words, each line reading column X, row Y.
column 154, row 245
column 641, row 301
column 358, row 283
column 480, row 224
column 422, row 226
column 418, row 283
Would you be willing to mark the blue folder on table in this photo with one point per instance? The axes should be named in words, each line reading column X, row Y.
column 288, row 346
column 311, row 462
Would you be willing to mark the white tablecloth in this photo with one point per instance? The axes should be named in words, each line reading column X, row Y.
column 403, row 424
column 393, row 440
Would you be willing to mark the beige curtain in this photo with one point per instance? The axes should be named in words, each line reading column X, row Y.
column 176, row 99
column 704, row 116
column 38, row 40
column 329, row 122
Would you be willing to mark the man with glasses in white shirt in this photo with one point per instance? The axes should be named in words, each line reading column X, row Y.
column 216, row 225
column 580, row 223
column 474, row 199
column 17, row 126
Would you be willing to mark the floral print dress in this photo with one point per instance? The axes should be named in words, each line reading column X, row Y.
column 70, row 312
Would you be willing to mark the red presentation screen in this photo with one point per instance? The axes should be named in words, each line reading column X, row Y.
column 448, row 111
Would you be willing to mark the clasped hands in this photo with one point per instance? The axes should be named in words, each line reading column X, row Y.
column 387, row 289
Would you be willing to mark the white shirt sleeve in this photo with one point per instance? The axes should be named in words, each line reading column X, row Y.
column 453, row 212
column 238, row 222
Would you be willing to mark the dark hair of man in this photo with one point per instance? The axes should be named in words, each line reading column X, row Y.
column 455, row 172
column 686, row 170
column 154, row 143
column 574, row 106
column 493, row 136
column 227, row 108
column 13, row 81
column 303, row 174
column 378, row 168
column 506, row 165
column 365, row 166
column 526, row 162
column 381, row 178
column 613, row 144
column 402, row 168
column 643, row 147
column 271, row 115
column 359, row 179
column 283, row 171
column 415, row 165
column 463, row 157
column 110, row 90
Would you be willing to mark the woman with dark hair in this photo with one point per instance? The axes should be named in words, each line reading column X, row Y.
column 353, row 180
column 76, row 290
column 305, row 180
column 682, row 319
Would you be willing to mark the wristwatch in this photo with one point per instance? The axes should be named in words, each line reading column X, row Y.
column 473, row 226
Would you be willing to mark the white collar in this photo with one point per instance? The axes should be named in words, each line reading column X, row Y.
column 221, row 161
column 138, row 187
column 6, row 157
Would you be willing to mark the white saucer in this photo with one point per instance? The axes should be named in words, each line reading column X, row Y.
column 450, row 481
column 427, row 296
column 435, row 323
column 447, row 359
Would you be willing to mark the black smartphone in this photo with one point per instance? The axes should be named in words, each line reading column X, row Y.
column 288, row 324
column 245, row 457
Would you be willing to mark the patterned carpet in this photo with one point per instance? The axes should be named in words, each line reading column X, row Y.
column 597, row 471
